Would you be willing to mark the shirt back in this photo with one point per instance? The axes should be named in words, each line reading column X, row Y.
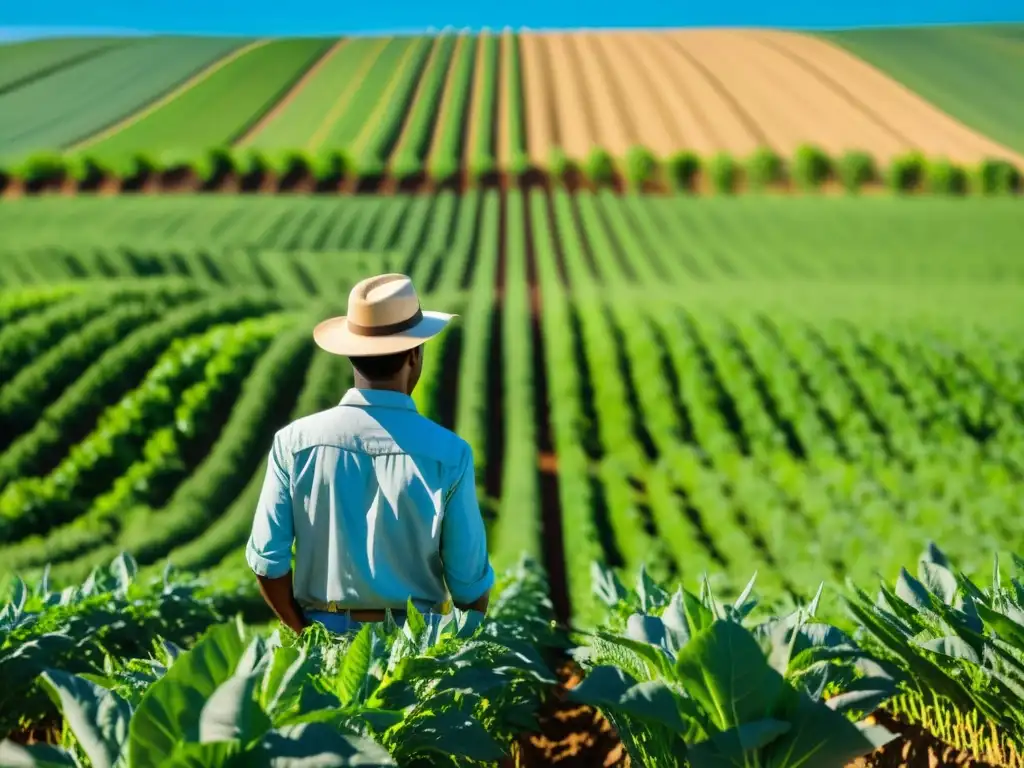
column 381, row 505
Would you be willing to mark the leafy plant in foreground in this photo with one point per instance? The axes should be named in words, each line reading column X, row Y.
column 73, row 630
column 450, row 689
column 954, row 640
column 687, row 681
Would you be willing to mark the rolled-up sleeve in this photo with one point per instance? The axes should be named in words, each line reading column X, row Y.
column 269, row 551
column 467, row 568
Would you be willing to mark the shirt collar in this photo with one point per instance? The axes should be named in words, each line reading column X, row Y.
column 378, row 398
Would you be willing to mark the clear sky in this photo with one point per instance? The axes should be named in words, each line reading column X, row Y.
column 308, row 17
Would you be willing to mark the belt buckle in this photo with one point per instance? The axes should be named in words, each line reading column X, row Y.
column 332, row 607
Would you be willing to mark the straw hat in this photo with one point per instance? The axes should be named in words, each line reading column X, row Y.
column 384, row 318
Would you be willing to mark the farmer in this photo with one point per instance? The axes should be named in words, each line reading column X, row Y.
column 379, row 500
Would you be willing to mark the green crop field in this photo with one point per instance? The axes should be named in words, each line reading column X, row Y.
column 71, row 104
column 220, row 108
column 973, row 73
column 776, row 384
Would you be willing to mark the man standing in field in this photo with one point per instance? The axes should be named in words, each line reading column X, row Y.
column 380, row 501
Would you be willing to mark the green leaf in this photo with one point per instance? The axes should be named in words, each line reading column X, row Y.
column 818, row 738
column 287, row 672
column 232, row 713
column 725, row 671
column 737, row 742
column 933, row 555
column 912, row 591
column 170, row 709
column 606, row 585
column 450, row 732
column 657, row 661
column 318, row 745
column 1005, row 628
column 612, row 689
column 14, row 755
column 938, row 580
column 698, row 616
column 124, row 568
column 649, row 592
column 415, row 624
column 19, row 595
column 954, row 647
column 219, row 754
column 99, row 718
column 356, row 666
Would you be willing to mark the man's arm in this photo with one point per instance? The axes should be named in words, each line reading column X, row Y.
column 269, row 551
column 281, row 599
column 467, row 569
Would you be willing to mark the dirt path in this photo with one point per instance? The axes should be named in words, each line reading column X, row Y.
column 572, row 109
column 538, row 100
column 192, row 82
column 932, row 131
column 280, row 109
column 644, row 107
column 323, row 130
column 553, row 536
column 475, row 102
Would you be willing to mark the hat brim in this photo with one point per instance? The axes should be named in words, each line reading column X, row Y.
column 334, row 336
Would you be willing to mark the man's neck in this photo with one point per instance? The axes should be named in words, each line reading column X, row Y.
column 380, row 386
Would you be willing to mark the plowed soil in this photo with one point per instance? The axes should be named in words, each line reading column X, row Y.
column 726, row 90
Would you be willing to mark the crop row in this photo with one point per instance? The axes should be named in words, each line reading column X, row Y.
column 808, row 170
column 839, row 246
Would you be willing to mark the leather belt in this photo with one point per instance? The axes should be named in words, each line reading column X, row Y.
column 365, row 615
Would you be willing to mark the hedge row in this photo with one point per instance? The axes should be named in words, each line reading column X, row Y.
column 807, row 170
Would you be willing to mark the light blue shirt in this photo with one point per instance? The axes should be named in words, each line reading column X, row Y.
column 381, row 505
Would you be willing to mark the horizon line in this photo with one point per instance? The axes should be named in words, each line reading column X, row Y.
column 27, row 33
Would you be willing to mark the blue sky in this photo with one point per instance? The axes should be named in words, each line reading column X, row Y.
column 305, row 17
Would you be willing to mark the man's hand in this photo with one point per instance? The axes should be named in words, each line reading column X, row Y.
column 480, row 604
column 281, row 599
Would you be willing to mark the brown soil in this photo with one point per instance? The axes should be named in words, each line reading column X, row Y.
column 914, row 748
column 571, row 735
column 729, row 90
column 610, row 128
column 541, row 115
column 651, row 123
column 572, row 103
column 280, row 109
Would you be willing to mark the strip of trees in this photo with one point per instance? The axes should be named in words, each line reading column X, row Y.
column 808, row 170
